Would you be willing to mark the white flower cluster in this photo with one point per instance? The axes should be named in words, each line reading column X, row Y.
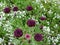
column 2, row 17
column 54, row 39
column 20, row 14
column 7, row 26
column 46, row 30
column 37, row 1
column 2, row 14
column 1, row 40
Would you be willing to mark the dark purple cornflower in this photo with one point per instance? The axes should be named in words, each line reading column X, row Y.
column 38, row 37
column 18, row 32
column 43, row 18
column 7, row 10
column 15, row 8
column 31, row 23
column 29, row 8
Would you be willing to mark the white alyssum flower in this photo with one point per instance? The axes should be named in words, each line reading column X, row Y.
column 48, row 23
column 46, row 30
column 57, row 16
column 49, row 39
column 58, row 36
column 0, row 23
column 20, row 14
column 33, row 17
column 1, row 40
column 37, row 1
column 2, row 13
column 55, row 39
column 1, row 4
column 46, row 1
column 44, row 9
column 37, row 23
column 7, row 26
column 52, row 32
column 16, row 41
column 41, row 6
column 55, row 26
column 50, row 12
column 54, row 43
column 2, row 16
